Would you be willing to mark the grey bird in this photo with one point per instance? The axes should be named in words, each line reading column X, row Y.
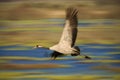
column 66, row 45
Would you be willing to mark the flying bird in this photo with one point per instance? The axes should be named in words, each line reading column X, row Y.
column 66, row 45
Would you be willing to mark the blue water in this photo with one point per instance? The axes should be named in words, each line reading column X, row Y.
column 77, row 66
column 88, row 49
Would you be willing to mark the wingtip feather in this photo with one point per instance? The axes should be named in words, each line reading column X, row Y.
column 71, row 12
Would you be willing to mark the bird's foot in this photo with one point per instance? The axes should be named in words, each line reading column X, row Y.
column 87, row 57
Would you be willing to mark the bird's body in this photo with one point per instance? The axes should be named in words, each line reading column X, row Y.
column 66, row 45
column 64, row 50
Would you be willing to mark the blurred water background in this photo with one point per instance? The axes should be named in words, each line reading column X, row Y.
column 26, row 23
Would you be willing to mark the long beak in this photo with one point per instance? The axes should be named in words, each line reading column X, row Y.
column 34, row 47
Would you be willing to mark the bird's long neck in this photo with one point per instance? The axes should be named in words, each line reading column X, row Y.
column 38, row 46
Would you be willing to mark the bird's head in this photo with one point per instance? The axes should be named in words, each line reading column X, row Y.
column 38, row 46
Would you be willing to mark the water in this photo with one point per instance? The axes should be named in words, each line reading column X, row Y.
column 18, row 62
column 103, row 62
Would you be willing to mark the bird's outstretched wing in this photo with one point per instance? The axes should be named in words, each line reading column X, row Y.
column 69, row 34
